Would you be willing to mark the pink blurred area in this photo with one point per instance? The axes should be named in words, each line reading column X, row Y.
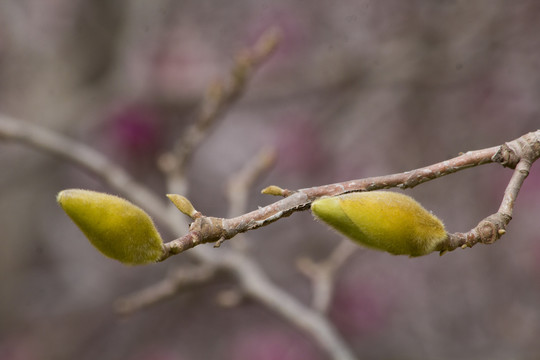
column 265, row 344
column 357, row 88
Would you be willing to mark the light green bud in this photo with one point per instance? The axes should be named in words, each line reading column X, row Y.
column 116, row 227
column 382, row 220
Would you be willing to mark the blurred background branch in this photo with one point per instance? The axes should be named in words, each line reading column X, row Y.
column 323, row 273
column 178, row 280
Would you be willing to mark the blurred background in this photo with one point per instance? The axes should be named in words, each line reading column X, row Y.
column 356, row 89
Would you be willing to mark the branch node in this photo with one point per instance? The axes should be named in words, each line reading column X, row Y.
column 488, row 232
column 208, row 229
column 491, row 228
column 506, row 156
column 526, row 148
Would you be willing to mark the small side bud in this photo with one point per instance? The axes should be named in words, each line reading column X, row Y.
column 273, row 190
column 184, row 205
column 116, row 227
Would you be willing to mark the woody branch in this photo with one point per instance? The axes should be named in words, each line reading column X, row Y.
column 518, row 154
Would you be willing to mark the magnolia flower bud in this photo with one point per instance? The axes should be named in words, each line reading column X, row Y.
column 116, row 227
column 382, row 220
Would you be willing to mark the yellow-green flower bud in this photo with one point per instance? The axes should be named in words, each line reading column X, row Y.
column 116, row 227
column 382, row 220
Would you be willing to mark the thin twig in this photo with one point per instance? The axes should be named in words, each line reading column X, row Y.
column 492, row 227
column 210, row 229
column 519, row 154
column 219, row 98
column 322, row 274
column 178, row 280
column 240, row 184
column 84, row 156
